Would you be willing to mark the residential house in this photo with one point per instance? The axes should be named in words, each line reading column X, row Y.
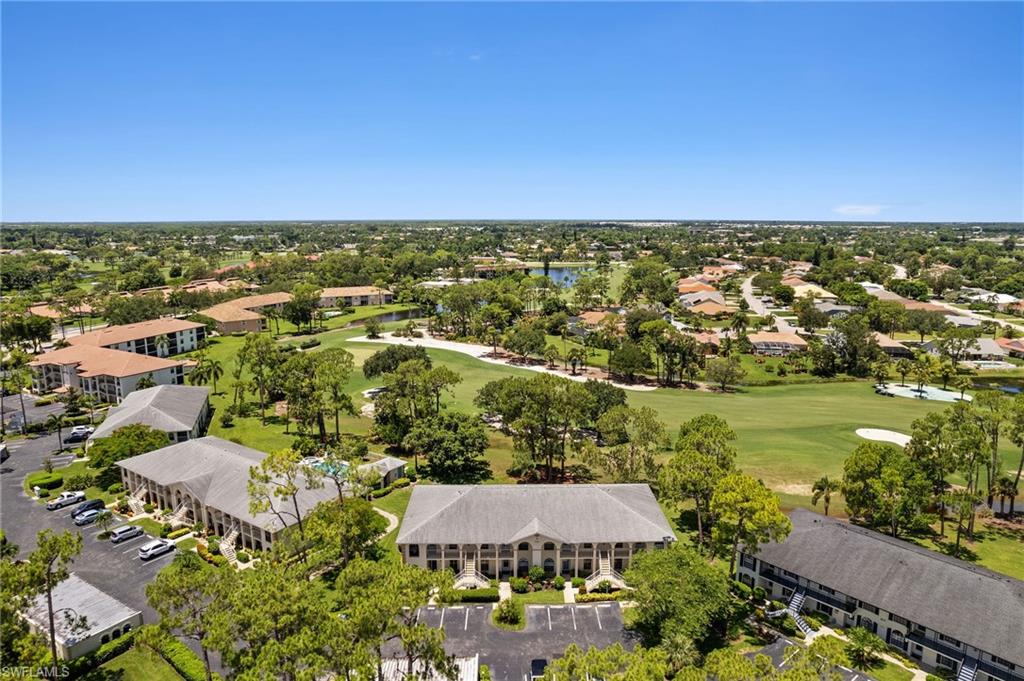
column 388, row 467
column 156, row 337
column 244, row 315
column 711, row 309
column 685, row 287
column 48, row 311
column 776, row 343
column 833, row 309
column 1014, row 347
column 892, row 347
column 105, row 374
column 690, row 299
column 963, row 321
column 85, row 617
column 803, row 290
column 355, row 296
column 588, row 320
column 482, row 532
column 981, row 349
column 181, row 411
column 941, row 612
column 709, row 341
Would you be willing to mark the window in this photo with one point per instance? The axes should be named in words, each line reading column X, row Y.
column 414, row 550
column 524, row 546
column 549, row 565
column 549, row 546
column 484, row 546
column 898, row 620
column 826, row 589
column 639, row 546
column 868, row 607
column 431, row 564
column 620, row 545
column 588, row 546
column 748, row 561
column 454, row 566
column 950, row 640
column 821, row 607
column 1004, row 663
column 453, row 547
column 127, row 628
column 104, row 639
column 943, row 661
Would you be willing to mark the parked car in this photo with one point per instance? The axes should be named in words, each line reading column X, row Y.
column 5, row 452
column 537, row 667
column 125, row 532
column 66, row 499
column 87, row 518
column 89, row 505
column 154, row 548
column 82, row 430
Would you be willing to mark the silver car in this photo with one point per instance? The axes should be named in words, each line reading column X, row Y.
column 154, row 548
column 87, row 517
column 65, row 499
column 125, row 532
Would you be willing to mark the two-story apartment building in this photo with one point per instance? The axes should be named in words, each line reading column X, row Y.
column 941, row 612
column 355, row 296
column 181, row 411
column 156, row 337
column 244, row 315
column 105, row 374
column 498, row 531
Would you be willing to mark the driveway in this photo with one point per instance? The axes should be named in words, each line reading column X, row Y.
column 758, row 307
column 777, row 651
column 550, row 629
column 12, row 408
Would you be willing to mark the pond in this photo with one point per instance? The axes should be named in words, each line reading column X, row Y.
column 565, row 276
column 400, row 315
column 1011, row 385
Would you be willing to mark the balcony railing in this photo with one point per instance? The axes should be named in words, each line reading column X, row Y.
column 820, row 596
column 958, row 654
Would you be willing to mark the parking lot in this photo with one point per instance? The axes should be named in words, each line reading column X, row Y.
column 114, row 568
column 549, row 631
column 780, row 658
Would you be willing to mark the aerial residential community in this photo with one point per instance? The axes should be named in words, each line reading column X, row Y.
column 512, row 342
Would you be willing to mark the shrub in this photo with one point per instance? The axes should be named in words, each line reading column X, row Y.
column 778, row 605
column 509, row 612
column 165, row 529
column 45, row 401
column 577, row 582
column 214, row 547
column 597, row 597
column 181, row 658
column 536, row 574
column 487, row 595
column 44, row 493
column 116, row 488
column 559, row 582
column 105, row 652
column 604, row 587
column 519, row 584
column 485, row 673
column 741, row 590
column 378, row 493
column 307, row 344
column 45, row 480
column 242, row 557
column 226, row 419
column 400, row 483
column 759, row 593
column 219, row 561
column 148, row 508
column 198, row 527
column 78, row 482
column 179, row 533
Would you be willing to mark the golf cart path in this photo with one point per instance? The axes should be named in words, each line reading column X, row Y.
column 882, row 435
column 480, row 352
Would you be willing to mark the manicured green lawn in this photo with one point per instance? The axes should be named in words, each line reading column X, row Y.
column 137, row 664
column 543, row 597
column 151, row 526
column 396, row 502
column 887, row 671
column 997, row 548
column 187, row 544
column 76, row 467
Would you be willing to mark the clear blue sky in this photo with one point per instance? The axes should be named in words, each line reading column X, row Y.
column 152, row 111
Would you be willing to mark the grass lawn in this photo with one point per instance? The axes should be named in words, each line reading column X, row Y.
column 187, row 544
column 998, row 548
column 76, row 467
column 396, row 503
column 150, row 526
column 887, row 671
column 137, row 664
column 543, row 597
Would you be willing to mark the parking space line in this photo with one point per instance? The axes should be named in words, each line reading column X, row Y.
column 549, row 619
column 573, row 611
column 598, row 613
column 441, row 625
column 130, row 549
column 465, row 624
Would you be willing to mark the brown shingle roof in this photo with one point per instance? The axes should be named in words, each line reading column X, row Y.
column 345, row 291
column 97, row 361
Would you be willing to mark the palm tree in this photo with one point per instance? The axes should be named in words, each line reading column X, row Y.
column 214, row 370
column 576, row 357
column 962, row 383
column 1004, row 488
column 769, row 321
column 739, row 323
column 162, row 342
column 56, row 422
column 198, row 374
column 552, row 355
column 946, row 372
column 145, row 382
column 903, row 367
column 104, row 521
column 880, row 370
column 823, row 489
column 924, row 371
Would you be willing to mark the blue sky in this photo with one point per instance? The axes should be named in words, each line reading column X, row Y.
column 234, row 111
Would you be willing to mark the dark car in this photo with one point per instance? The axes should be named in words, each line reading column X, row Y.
column 537, row 667
column 89, row 505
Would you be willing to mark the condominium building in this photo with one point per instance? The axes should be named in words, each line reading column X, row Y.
column 941, row 612
column 156, row 337
column 181, row 411
column 496, row 531
column 105, row 374
column 355, row 296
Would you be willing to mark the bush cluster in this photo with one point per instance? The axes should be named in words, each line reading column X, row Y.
column 596, row 597
column 242, row 557
column 307, row 344
column 384, row 491
column 45, row 480
column 519, row 584
column 510, row 612
column 116, row 488
column 181, row 658
column 78, row 482
column 105, row 652
column 148, row 508
column 179, row 533
column 488, row 595
column 215, row 560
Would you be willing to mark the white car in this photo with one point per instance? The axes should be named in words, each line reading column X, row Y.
column 154, row 548
column 66, row 499
column 82, row 430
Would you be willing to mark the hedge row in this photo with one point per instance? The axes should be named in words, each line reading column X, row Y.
column 45, row 480
column 489, row 595
column 595, row 597
column 311, row 343
column 181, row 657
column 109, row 650
column 384, row 491
column 204, row 553
column 179, row 533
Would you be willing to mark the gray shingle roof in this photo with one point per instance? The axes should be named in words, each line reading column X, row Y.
column 979, row 607
column 216, row 472
column 78, row 597
column 505, row 514
column 170, row 408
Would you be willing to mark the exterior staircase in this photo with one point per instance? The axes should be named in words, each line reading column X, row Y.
column 227, row 544
column 178, row 517
column 135, row 501
column 796, row 602
column 605, row 573
column 968, row 669
column 470, row 577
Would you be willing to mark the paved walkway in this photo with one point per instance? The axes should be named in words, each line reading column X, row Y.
column 390, row 517
column 504, row 591
column 882, row 435
column 760, row 309
column 482, row 352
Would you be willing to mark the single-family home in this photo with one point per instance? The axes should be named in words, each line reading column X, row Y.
column 963, row 321
column 684, row 287
column 833, row 309
column 982, row 348
column 690, row 299
column 776, row 343
column 85, row 619
column 105, row 374
column 943, row 613
column 803, row 290
column 155, row 337
column 1014, row 347
column 482, row 532
column 891, row 347
column 181, row 411
column 709, row 341
column 711, row 309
